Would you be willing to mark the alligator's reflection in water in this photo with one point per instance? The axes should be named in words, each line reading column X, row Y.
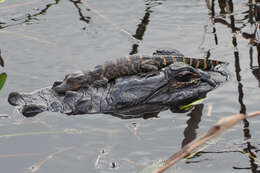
column 256, row 73
column 126, row 97
column 193, row 124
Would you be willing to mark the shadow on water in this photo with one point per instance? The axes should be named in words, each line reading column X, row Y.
column 28, row 17
column 252, row 15
column 139, row 33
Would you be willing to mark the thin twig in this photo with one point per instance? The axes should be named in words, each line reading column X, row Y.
column 222, row 125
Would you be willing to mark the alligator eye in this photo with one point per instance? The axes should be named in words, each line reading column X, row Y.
column 70, row 80
column 186, row 76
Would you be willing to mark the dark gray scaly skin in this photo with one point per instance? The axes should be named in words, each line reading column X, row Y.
column 129, row 65
column 175, row 85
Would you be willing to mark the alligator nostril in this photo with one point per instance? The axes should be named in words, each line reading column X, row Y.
column 56, row 83
column 58, row 89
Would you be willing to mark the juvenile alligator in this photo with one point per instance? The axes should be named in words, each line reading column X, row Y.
column 129, row 65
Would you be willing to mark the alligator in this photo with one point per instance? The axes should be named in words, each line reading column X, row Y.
column 127, row 96
column 129, row 65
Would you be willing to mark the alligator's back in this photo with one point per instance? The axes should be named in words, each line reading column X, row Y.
column 203, row 64
column 135, row 64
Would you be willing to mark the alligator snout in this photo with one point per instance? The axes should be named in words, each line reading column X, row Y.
column 209, row 81
column 60, row 87
column 205, row 77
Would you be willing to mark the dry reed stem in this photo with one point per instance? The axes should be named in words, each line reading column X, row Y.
column 222, row 125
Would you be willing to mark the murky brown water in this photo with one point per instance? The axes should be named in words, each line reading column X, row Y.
column 41, row 41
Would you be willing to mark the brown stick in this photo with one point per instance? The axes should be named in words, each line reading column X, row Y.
column 222, row 125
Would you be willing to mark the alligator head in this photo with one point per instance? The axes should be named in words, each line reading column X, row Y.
column 176, row 85
column 71, row 82
column 181, row 77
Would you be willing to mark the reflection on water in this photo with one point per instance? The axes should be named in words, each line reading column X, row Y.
column 222, row 13
column 256, row 73
column 28, row 18
column 252, row 14
column 1, row 60
column 192, row 124
column 255, row 69
column 139, row 33
column 82, row 17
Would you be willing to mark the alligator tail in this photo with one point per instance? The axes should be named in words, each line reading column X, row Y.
column 203, row 64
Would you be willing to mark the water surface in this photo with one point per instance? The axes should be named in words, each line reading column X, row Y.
column 41, row 41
